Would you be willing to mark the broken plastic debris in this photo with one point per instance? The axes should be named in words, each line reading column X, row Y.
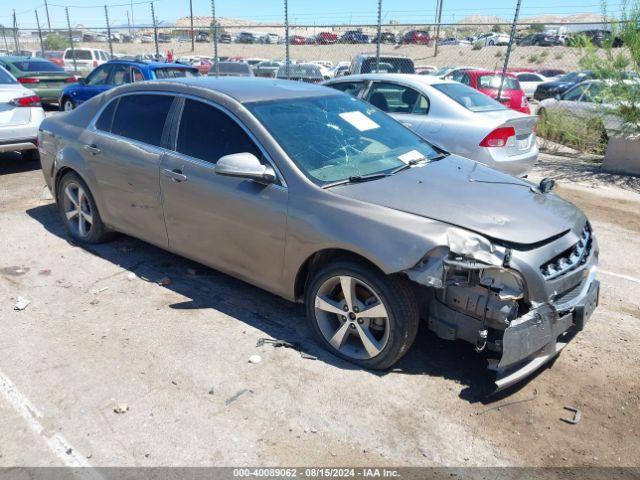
column 255, row 359
column 99, row 290
column 121, row 408
column 131, row 276
column 21, row 303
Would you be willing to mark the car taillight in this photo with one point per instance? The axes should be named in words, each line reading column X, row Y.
column 70, row 80
column 524, row 102
column 30, row 101
column 29, row 80
column 95, row 63
column 499, row 137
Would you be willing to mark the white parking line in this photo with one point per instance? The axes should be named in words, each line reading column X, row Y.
column 619, row 275
column 56, row 442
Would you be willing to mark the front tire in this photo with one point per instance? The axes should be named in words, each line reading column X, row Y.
column 78, row 210
column 361, row 315
column 66, row 105
column 31, row 155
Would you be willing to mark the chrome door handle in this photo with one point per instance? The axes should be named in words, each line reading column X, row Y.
column 176, row 174
column 92, row 149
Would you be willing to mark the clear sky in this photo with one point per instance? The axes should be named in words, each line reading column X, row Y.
column 91, row 12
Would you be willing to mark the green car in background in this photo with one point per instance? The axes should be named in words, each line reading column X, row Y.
column 45, row 78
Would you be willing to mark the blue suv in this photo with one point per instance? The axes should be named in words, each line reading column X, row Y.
column 119, row 72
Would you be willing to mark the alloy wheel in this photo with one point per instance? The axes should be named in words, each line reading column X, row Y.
column 77, row 209
column 67, row 106
column 351, row 317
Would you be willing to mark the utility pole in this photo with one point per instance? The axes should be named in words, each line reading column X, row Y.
column 214, row 22
column 155, row 32
column 133, row 23
column 46, row 9
column 16, row 33
column 129, row 25
column 438, row 20
column 39, row 33
column 73, row 50
column 106, row 16
column 511, row 40
column 193, row 46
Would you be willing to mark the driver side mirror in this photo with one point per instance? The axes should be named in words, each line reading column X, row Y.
column 245, row 165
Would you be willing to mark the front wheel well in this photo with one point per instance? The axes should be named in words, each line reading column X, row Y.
column 318, row 260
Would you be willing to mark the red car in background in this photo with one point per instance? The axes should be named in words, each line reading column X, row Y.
column 326, row 38
column 55, row 56
column 488, row 82
column 417, row 37
column 297, row 40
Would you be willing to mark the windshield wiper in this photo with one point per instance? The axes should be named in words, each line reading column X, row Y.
column 357, row 179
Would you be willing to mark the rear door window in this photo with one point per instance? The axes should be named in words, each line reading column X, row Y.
column 394, row 98
column 137, row 74
column 175, row 72
column 207, row 133
column 142, row 117
column 81, row 54
column 352, row 88
column 100, row 76
column 120, row 75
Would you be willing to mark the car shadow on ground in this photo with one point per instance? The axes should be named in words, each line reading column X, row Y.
column 12, row 162
column 278, row 318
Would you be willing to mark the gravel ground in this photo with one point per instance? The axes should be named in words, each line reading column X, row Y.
column 100, row 333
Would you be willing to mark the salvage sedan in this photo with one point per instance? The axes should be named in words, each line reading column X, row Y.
column 321, row 198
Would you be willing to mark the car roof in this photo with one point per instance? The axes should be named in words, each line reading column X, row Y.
column 21, row 58
column 152, row 65
column 402, row 77
column 242, row 89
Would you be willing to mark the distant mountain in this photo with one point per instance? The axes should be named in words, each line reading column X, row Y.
column 541, row 18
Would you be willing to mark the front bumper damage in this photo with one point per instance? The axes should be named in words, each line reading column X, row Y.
column 497, row 300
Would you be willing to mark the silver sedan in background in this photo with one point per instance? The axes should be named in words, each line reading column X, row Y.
column 453, row 116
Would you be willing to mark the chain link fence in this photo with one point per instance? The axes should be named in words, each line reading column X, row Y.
column 279, row 49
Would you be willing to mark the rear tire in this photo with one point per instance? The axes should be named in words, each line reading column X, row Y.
column 340, row 323
column 79, row 211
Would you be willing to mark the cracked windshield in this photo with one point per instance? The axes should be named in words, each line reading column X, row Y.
column 338, row 138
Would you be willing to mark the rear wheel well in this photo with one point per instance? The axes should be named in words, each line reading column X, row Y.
column 59, row 174
column 318, row 260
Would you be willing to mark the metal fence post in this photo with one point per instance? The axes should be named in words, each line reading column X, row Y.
column 73, row 50
column 511, row 40
column 379, row 39
column 106, row 16
column 439, row 21
column 155, row 31
column 286, row 37
column 39, row 33
column 16, row 33
column 215, row 37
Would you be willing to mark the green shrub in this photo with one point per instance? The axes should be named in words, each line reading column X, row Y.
column 499, row 54
column 477, row 46
column 534, row 58
column 587, row 135
column 558, row 56
column 53, row 41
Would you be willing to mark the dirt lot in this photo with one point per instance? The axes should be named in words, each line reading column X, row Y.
column 95, row 336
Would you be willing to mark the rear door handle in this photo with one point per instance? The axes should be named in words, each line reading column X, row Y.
column 92, row 149
column 176, row 174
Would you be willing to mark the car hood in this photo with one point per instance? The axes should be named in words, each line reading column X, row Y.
column 467, row 194
column 552, row 85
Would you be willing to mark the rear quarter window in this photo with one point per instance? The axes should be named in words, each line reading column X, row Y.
column 175, row 73
column 468, row 97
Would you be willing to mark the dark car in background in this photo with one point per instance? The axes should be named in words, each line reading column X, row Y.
column 354, row 36
column 120, row 72
column 561, row 85
column 246, row 37
column 385, row 37
column 598, row 38
column 368, row 63
column 46, row 79
column 266, row 69
column 538, row 39
column 416, row 37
